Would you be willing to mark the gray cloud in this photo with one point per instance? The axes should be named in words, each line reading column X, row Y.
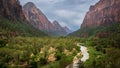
column 68, row 12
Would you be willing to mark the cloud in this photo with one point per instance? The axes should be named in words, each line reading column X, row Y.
column 77, row 21
column 56, row 1
column 67, row 12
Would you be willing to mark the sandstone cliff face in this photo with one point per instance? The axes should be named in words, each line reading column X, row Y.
column 40, row 21
column 57, row 26
column 104, row 12
column 59, row 29
column 36, row 17
column 11, row 9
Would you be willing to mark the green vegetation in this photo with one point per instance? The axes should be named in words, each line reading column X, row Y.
column 23, row 46
column 38, row 52
column 104, row 50
column 102, row 55
column 9, row 28
column 105, row 30
column 96, row 59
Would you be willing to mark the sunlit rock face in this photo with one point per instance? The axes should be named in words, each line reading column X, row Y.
column 11, row 9
column 104, row 12
column 36, row 17
column 40, row 21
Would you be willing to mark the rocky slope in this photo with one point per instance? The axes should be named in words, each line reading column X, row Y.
column 36, row 17
column 11, row 9
column 40, row 21
column 100, row 19
column 58, row 29
column 13, row 21
column 104, row 12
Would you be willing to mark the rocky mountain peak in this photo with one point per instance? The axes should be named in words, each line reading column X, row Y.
column 67, row 29
column 57, row 26
column 55, row 23
column 40, row 21
column 29, row 5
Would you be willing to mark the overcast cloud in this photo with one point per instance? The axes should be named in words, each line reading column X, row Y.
column 68, row 13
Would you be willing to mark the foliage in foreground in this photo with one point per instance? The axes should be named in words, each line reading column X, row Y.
column 103, row 43
column 35, row 52
column 105, row 52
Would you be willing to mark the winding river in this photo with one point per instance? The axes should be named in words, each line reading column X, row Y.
column 85, row 56
column 85, row 53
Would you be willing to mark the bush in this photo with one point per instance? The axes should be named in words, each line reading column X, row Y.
column 2, row 43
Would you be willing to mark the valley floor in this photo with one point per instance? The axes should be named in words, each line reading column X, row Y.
column 59, row 52
column 38, row 52
column 81, row 57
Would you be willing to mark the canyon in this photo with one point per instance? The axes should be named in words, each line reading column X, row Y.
column 36, row 18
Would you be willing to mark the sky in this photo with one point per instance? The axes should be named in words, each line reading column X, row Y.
column 68, row 13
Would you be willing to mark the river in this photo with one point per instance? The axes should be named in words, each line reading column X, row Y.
column 85, row 56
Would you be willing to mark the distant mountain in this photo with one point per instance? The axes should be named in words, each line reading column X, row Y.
column 40, row 21
column 103, row 14
column 13, row 21
column 58, row 29
column 67, row 29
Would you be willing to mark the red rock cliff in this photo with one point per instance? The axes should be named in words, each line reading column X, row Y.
column 36, row 17
column 104, row 12
column 40, row 21
column 11, row 9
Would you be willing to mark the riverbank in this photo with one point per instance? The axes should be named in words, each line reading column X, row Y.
column 78, row 59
